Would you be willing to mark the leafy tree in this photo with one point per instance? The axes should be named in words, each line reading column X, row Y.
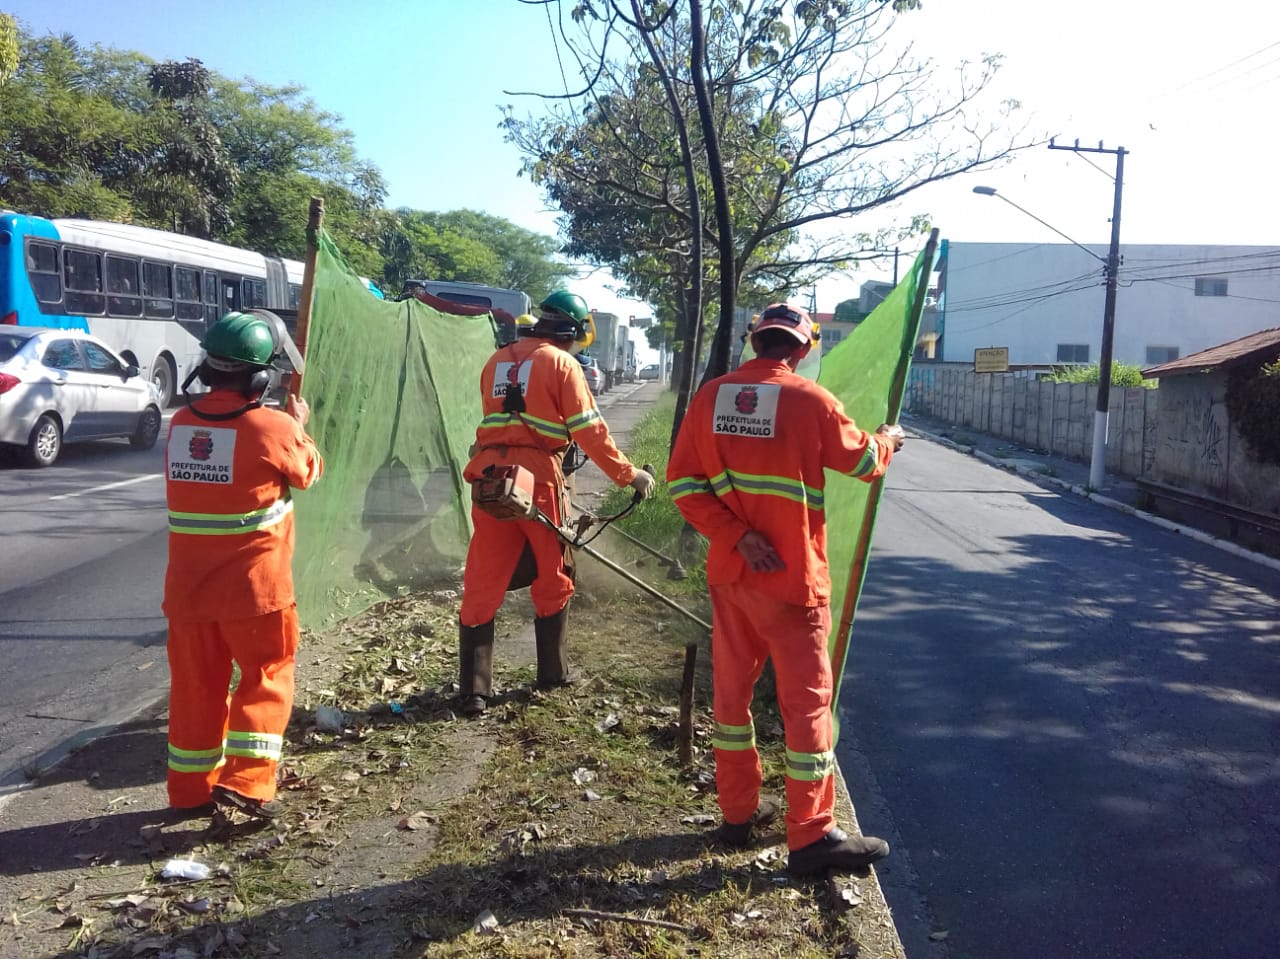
column 63, row 144
column 10, row 47
column 471, row 247
column 187, row 179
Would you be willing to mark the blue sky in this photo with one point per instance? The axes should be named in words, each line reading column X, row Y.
column 1186, row 89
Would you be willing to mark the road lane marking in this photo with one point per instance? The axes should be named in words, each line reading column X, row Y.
column 100, row 489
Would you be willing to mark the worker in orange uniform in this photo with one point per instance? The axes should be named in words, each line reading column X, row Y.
column 228, row 592
column 747, row 472
column 536, row 403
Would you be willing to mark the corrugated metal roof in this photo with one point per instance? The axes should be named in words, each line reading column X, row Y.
column 1263, row 346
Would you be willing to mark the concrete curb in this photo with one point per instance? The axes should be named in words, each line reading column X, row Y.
column 1190, row 532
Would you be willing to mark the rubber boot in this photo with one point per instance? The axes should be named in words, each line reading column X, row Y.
column 475, row 667
column 553, row 657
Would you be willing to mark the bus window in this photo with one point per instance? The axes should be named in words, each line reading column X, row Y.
column 211, row 312
column 230, row 294
column 157, row 287
column 82, row 273
column 187, row 282
column 255, row 293
column 295, row 295
column 122, row 286
column 42, row 267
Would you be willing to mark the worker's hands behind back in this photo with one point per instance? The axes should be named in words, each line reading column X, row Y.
column 759, row 553
column 893, row 433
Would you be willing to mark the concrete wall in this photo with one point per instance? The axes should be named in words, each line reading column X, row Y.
column 1198, row 449
column 1037, row 414
column 1179, row 434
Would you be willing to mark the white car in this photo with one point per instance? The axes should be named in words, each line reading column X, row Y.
column 649, row 372
column 64, row 386
column 591, row 370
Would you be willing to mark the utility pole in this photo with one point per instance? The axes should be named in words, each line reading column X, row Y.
column 1097, row 463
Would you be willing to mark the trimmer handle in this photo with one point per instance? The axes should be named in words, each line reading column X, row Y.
column 636, row 498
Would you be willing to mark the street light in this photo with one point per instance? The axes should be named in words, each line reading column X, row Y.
column 1110, row 266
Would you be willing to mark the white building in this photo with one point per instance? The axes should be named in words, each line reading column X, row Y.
column 1045, row 301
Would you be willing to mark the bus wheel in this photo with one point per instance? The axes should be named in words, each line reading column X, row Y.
column 164, row 377
column 45, row 442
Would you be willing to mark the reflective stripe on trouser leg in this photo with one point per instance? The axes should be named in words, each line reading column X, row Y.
column 796, row 639
column 199, row 682
column 737, row 657
column 264, row 647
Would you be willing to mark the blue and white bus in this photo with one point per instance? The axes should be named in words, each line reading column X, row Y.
column 148, row 294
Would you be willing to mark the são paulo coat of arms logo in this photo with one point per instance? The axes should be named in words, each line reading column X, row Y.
column 201, row 445
column 747, row 400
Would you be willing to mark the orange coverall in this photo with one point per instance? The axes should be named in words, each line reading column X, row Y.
column 559, row 407
column 750, row 456
column 228, row 594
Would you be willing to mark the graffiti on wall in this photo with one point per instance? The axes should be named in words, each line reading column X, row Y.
column 1195, row 438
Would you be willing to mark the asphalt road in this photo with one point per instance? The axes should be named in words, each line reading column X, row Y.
column 81, row 636
column 1067, row 721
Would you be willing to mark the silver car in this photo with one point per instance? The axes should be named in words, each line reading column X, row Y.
column 64, row 386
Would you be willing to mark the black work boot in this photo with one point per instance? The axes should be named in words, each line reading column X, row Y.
column 475, row 667
column 740, row 835
column 553, row 655
column 836, row 850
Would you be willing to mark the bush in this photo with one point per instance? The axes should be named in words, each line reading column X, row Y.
column 1122, row 374
column 1253, row 402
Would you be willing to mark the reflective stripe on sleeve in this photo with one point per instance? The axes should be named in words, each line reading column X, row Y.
column 254, row 745
column 224, row 524
column 733, row 738
column 194, row 760
column 585, row 418
column 869, row 459
column 810, row 767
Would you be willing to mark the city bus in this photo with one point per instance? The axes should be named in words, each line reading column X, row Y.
column 150, row 295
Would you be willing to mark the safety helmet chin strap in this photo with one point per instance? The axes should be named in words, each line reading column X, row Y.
column 253, row 404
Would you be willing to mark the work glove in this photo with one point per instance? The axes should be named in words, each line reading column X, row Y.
column 643, row 484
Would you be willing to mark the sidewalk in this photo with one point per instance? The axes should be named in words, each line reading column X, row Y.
column 1120, row 493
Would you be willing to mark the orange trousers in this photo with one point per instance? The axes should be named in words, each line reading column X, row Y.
column 748, row 628
column 220, row 738
column 491, row 559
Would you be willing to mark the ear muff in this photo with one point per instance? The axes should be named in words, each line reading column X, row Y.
column 257, row 385
column 588, row 332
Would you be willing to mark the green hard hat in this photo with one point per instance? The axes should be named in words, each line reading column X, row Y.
column 564, row 303
column 241, row 338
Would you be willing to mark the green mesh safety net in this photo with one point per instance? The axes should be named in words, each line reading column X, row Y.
column 393, row 389
column 861, row 371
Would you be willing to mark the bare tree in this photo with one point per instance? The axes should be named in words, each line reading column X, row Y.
column 811, row 115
